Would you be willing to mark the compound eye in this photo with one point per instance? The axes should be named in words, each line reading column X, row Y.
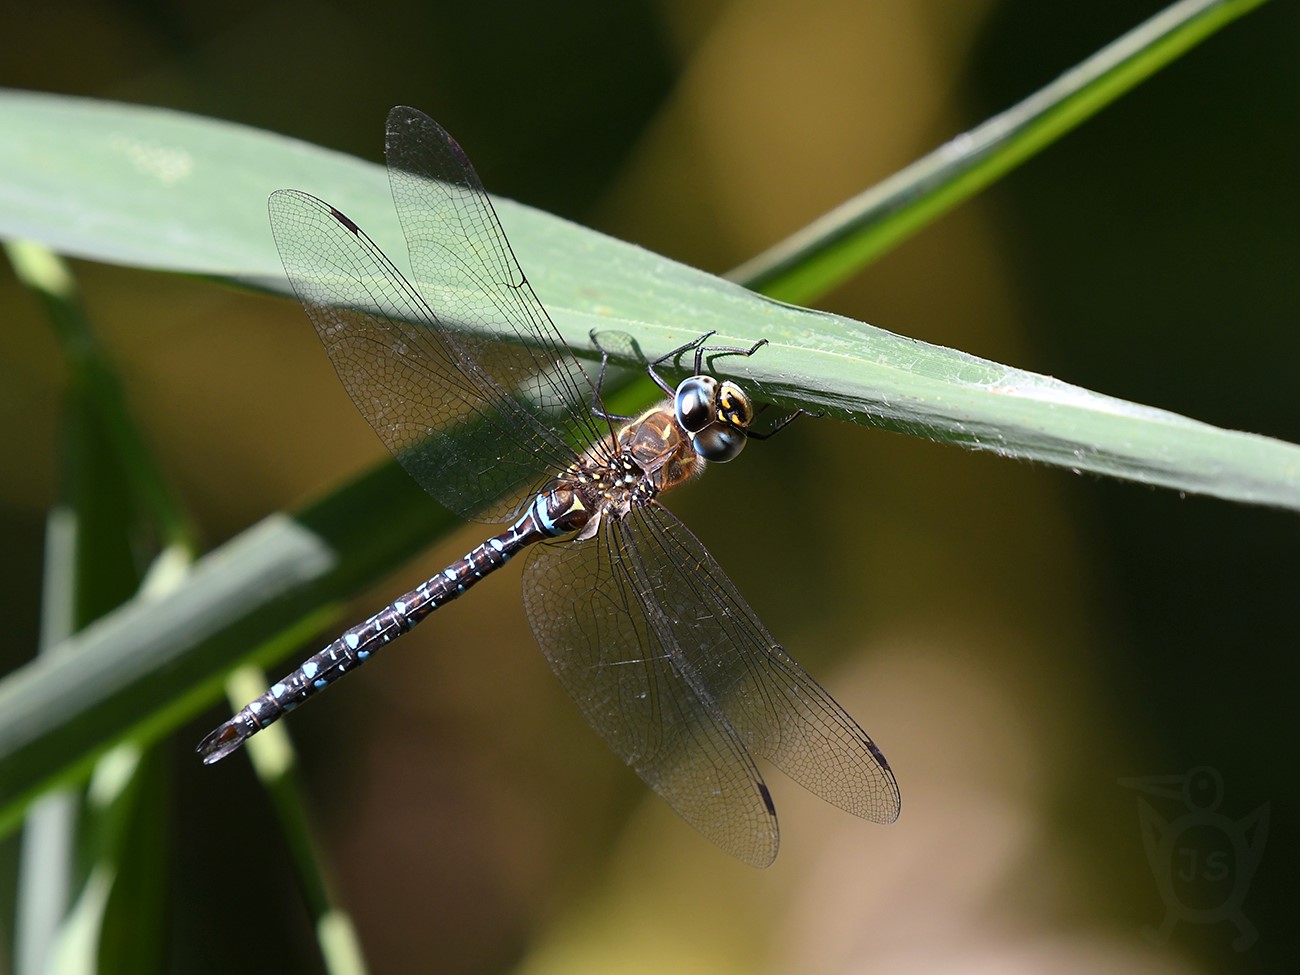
column 733, row 406
column 719, row 443
column 693, row 403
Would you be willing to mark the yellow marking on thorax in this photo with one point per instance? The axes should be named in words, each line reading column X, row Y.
column 660, row 447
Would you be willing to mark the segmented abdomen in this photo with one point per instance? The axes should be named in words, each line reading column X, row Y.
column 543, row 519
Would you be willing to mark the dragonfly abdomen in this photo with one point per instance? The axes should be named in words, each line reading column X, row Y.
column 545, row 518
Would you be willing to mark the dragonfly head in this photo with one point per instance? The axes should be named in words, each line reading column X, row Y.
column 715, row 415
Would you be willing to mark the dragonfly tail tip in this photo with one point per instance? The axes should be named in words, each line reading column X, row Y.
column 221, row 742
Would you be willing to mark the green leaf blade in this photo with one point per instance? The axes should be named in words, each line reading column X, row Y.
column 211, row 220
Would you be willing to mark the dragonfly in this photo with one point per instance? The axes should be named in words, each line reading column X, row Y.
column 463, row 375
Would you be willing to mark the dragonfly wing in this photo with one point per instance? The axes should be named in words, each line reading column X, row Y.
column 728, row 656
column 590, row 620
column 463, row 263
column 480, row 448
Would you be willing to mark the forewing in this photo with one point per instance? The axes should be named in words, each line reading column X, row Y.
column 478, row 447
column 463, row 264
column 591, row 624
column 727, row 656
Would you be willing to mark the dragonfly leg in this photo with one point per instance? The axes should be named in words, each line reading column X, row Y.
column 780, row 424
column 696, row 343
column 717, row 351
column 597, row 405
column 701, row 352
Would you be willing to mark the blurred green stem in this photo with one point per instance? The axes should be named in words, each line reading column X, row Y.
column 66, row 920
column 837, row 245
column 48, row 276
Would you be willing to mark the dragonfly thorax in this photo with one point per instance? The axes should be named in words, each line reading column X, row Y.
column 661, row 448
column 645, row 457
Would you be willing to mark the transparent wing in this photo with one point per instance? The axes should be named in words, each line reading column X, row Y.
column 726, row 655
column 463, row 264
column 589, row 616
column 471, row 431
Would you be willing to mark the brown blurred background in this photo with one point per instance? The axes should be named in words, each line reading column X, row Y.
column 1017, row 639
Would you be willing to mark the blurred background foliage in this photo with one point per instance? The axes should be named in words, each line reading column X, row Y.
column 1017, row 639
